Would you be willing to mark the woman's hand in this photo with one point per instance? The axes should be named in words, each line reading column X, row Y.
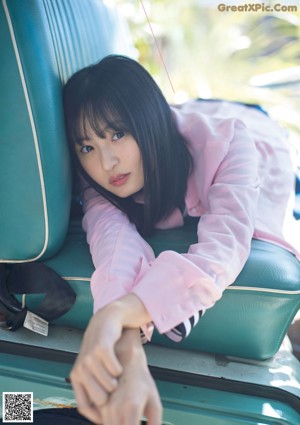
column 95, row 372
column 136, row 394
column 94, row 375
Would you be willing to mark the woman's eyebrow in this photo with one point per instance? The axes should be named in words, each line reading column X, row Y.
column 114, row 125
column 80, row 140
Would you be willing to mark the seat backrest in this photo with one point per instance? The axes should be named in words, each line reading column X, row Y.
column 43, row 42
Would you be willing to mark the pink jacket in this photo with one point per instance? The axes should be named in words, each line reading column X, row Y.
column 240, row 186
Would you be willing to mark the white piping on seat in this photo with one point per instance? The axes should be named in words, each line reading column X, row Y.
column 237, row 288
column 84, row 279
column 35, row 138
column 273, row 291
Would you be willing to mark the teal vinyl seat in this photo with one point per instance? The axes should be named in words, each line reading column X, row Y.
column 42, row 44
column 250, row 320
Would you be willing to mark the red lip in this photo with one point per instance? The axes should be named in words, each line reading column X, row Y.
column 119, row 179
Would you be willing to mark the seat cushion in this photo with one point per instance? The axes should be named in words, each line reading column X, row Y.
column 251, row 318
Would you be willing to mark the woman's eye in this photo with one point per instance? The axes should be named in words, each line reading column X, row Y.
column 118, row 135
column 86, row 149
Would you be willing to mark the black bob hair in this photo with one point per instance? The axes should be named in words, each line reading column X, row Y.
column 118, row 89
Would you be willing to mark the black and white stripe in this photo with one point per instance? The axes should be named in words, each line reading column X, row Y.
column 183, row 330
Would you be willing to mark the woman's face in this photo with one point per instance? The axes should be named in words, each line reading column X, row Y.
column 113, row 160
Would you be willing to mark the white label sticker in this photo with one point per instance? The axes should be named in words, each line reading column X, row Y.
column 36, row 324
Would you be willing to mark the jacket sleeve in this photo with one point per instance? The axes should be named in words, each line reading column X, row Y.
column 120, row 255
column 178, row 285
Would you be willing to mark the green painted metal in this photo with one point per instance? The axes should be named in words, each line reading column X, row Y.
column 183, row 404
column 202, row 406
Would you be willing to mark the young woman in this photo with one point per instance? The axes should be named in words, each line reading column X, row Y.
column 146, row 165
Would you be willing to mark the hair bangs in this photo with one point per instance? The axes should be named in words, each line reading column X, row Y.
column 96, row 115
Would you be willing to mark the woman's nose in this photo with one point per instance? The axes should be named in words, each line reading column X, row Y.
column 108, row 159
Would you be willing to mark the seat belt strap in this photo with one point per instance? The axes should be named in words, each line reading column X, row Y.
column 34, row 278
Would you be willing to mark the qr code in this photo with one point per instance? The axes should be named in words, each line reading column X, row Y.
column 17, row 407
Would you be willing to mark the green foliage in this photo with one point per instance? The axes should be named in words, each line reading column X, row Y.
column 209, row 53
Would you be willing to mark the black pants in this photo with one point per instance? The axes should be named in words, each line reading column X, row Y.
column 63, row 416
column 54, row 416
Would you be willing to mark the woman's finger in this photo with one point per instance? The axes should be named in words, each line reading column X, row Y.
column 96, row 394
column 110, row 416
column 80, row 395
column 86, row 388
column 84, row 406
column 110, row 361
column 97, row 369
column 92, row 414
column 118, row 413
column 153, row 411
column 133, row 415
